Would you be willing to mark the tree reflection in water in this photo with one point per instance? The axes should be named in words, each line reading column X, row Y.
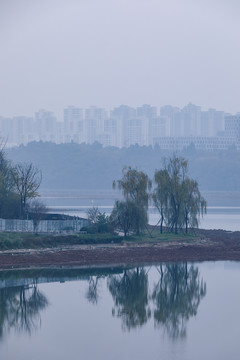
column 92, row 294
column 174, row 298
column 130, row 294
column 20, row 308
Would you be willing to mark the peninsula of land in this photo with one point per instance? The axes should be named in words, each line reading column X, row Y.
column 205, row 245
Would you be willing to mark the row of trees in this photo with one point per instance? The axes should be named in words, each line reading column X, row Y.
column 18, row 186
column 176, row 197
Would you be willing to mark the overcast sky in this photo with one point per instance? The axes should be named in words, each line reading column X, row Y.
column 55, row 53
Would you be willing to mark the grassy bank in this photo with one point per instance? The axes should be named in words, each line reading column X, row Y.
column 15, row 240
column 10, row 240
column 156, row 236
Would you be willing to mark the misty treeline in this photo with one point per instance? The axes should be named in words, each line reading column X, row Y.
column 175, row 195
column 18, row 189
column 84, row 166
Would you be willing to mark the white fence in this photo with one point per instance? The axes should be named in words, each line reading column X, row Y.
column 44, row 226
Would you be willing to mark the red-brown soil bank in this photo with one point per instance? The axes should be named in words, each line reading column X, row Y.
column 211, row 245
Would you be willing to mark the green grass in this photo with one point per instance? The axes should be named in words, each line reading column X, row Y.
column 14, row 240
column 10, row 240
column 165, row 237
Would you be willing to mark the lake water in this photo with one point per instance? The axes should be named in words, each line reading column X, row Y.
column 223, row 211
column 168, row 311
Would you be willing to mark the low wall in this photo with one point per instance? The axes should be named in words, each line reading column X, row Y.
column 44, row 226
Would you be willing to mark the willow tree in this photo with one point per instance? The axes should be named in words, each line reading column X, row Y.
column 176, row 168
column 160, row 194
column 122, row 216
column 193, row 204
column 135, row 186
column 177, row 197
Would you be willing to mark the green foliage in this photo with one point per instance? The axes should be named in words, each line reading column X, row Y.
column 177, row 197
column 131, row 214
column 134, row 185
column 29, row 241
column 193, row 204
column 104, row 224
column 160, row 194
column 128, row 216
column 155, row 237
column 100, row 222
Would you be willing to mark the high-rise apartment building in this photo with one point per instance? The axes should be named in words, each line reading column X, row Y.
column 123, row 115
column 232, row 127
column 73, row 124
column 173, row 120
column 158, row 128
column 190, row 117
column 147, row 112
column 127, row 126
column 45, row 126
column 23, row 130
column 94, row 123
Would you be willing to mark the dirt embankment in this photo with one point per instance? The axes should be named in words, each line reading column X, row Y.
column 211, row 245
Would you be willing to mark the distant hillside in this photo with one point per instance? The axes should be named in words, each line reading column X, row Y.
column 74, row 166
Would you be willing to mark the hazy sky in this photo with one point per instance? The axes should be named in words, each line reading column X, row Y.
column 55, row 53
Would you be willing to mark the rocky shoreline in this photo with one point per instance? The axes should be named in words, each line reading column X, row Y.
column 211, row 245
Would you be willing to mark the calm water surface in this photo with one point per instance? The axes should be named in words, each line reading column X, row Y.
column 169, row 311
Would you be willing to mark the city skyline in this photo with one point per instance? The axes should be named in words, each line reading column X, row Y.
column 109, row 109
column 124, row 126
